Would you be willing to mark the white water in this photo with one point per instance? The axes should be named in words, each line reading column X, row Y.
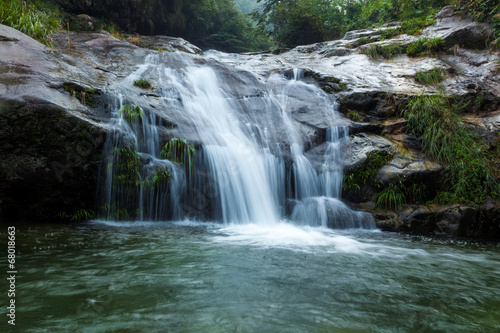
column 240, row 154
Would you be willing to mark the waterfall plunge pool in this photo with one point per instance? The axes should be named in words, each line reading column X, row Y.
column 207, row 277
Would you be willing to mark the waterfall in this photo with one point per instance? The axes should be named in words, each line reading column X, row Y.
column 250, row 167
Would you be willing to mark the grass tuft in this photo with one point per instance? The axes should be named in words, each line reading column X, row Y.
column 27, row 18
column 425, row 46
column 377, row 51
column 432, row 77
column 470, row 168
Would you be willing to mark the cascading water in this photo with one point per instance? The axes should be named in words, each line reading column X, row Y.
column 256, row 161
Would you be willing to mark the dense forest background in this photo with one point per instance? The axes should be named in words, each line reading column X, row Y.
column 236, row 25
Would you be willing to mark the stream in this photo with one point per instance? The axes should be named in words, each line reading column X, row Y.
column 188, row 276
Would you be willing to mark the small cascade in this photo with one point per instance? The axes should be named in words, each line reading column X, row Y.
column 255, row 167
column 138, row 185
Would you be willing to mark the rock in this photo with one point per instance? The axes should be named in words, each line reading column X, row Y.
column 454, row 28
column 169, row 44
column 86, row 22
column 50, row 142
column 444, row 220
column 487, row 126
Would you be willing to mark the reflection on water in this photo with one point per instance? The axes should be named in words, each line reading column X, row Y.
column 194, row 277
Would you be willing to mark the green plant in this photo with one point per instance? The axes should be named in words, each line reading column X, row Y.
column 415, row 25
column 85, row 96
column 159, row 177
column 79, row 215
column 432, row 77
column 425, row 46
column 82, row 214
column 392, row 197
column 132, row 113
column 366, row 172
column 32, row 20
column 469, row 166
column 179, row 151
column 415, row 192
column 483, row 11
column 115, row 212
column 375, row 51
column 127, row 163
column 349, row 183
column 353, row 115
column 143, row 83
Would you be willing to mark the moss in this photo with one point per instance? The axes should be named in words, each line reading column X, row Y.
column 85, row 96
column 143, row 83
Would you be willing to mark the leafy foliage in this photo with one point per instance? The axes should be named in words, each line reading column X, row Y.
column 470, row 168
column 179, row 151
column 366, row 172
column 353, row 115
column 295, row 22
column 79, row 215
column 220, row 25
column 132, row 113
column 127, row 163
column 392, row 197
column 483, row 11
column 29, row 18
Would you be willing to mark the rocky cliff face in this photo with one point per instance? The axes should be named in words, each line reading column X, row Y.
column 55, row 106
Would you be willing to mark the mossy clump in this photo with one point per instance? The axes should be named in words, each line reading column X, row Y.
column 85, row 96
column 143, row 83
column 412, row 26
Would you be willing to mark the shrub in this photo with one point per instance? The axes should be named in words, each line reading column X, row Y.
column 425, row 46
